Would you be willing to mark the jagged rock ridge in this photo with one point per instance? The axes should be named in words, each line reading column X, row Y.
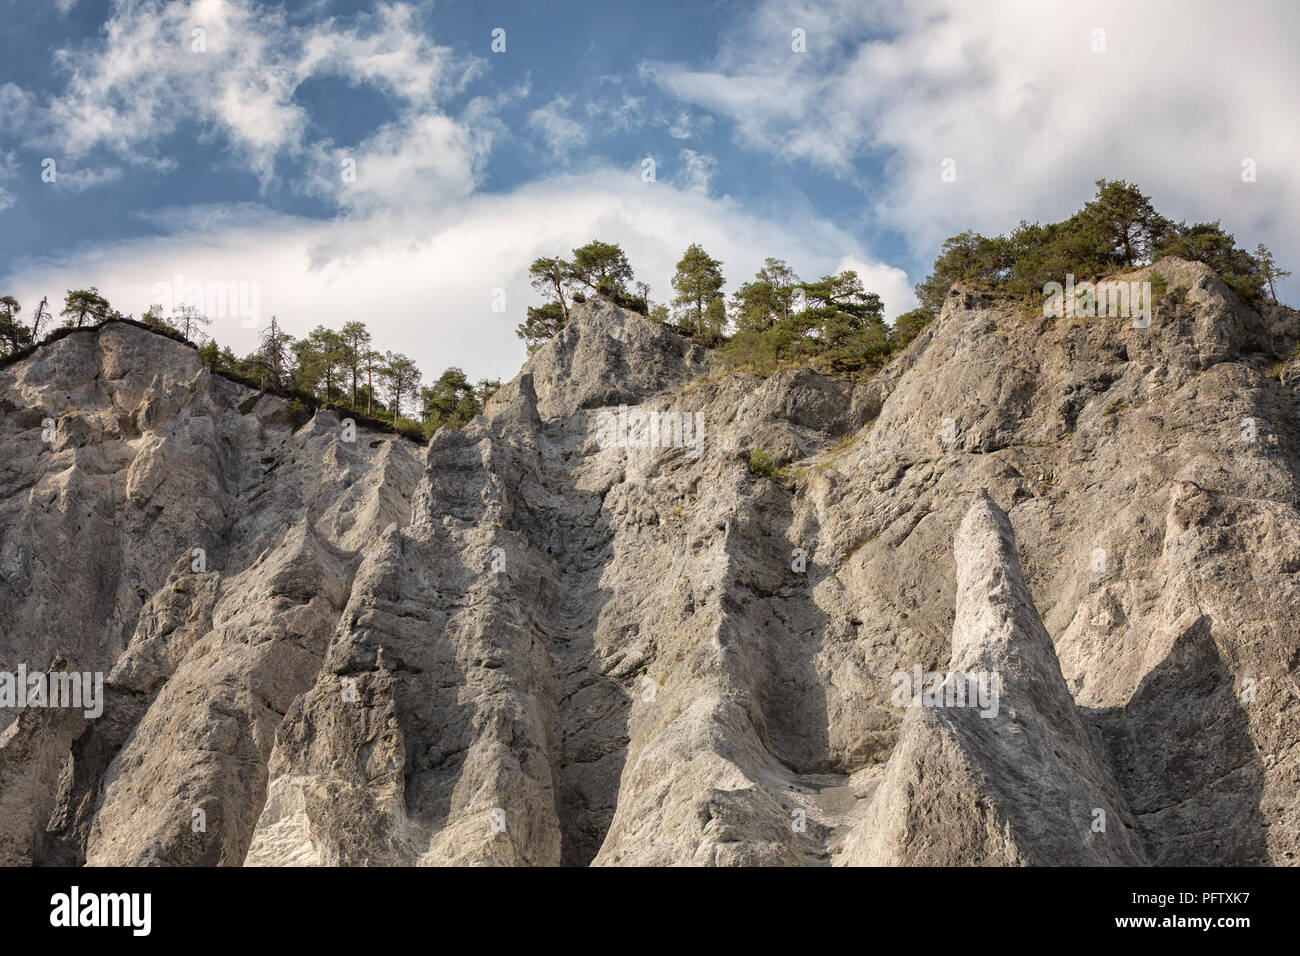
column 523, row 645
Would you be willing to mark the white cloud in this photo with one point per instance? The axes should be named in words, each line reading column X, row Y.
column 1013, row 92
column 421, row 162
column 566, row 129
column 561, row 133
column 233, row 66
column 394, row 54
column 624, row 115
column 16, row 106
column 426, row 288
column 684, row 124
column 696, row 170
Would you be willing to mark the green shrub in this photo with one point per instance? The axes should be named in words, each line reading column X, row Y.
column 624, row 300
column 1159, row 286
column 908, row 326
column 762, row 464
column 300, row 413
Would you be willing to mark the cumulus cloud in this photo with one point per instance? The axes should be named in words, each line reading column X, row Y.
column 1030, row 102
column 233, row 66
column 391, row 51
column 420, row 162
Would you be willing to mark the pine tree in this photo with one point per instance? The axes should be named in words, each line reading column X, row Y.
column 272, row 357
column 356, row 341
column 370, row 360
column 1126, row 218
column 601, row 267
column 210, row 353
column 451, row 400
column 308, row 370
column 13, row 334
column 401, row 377
column 698, row 282
column 1268, row 269
column 85, row 304
column 542, row 323
column 551, row 277
column 770, row 298
column 331, row 353
column 187, row 320
column 41, row 318
column 153, row 317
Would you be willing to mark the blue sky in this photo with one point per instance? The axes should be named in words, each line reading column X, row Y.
column 220, row 160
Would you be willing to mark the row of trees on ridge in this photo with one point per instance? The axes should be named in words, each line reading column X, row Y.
column 1119, row 228
column 776, row 317
column 332, row 367
column 835, row 323
column 832, row 321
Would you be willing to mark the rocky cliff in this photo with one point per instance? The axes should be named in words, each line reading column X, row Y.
column 582, row 631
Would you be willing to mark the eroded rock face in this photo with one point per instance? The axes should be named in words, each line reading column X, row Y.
column 527, row 644
column 996, row 768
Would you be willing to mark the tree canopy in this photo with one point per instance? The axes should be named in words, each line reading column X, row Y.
column 698, row 283
column 599, row 267
column 1117, row 229
column 85, row 305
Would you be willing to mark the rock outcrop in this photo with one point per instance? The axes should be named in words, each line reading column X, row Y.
column 995, row 766
column 573, row 633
